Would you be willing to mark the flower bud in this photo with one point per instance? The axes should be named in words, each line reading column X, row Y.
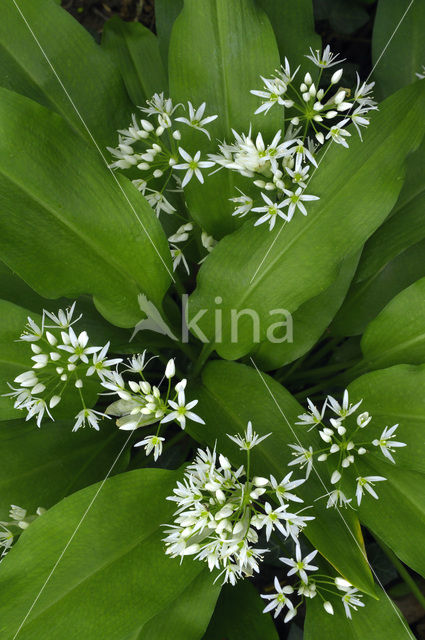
column 328, row 607
column 336, row 77
column 170, row 369
column 335, row 477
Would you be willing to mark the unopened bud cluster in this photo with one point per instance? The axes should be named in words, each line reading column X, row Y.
column 18, row 522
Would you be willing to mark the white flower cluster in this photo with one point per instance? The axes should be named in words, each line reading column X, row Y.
column 19, row 520
column 220, row 510
column 62, row 359
column 152, row 145
column 281, row 169
column 141, row 404
column 307, row 586
column 342, row 446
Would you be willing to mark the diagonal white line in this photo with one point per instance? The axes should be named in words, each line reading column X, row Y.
column 336, row 506
column 92, row 138
column 72, row 537
column 331, row 142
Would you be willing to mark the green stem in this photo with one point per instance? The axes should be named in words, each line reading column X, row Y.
column 206, row 351
column 330, row 368
column 403, row 573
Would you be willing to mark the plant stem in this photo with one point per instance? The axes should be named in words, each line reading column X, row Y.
column 206, row 351
column 330, row 368
column 402, row 572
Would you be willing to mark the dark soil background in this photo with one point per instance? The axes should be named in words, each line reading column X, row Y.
column 346, row 25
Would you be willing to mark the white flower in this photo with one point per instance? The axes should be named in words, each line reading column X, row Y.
column 328, row 607
column 421, row 74
column 77, row 346
column 344, row 410
column 337, row 498
column 324, row 60
column 182, row 233
column 32, row 332
column 208, row 242
column 362, row 93
column 386, row 442
column 196, row 119
column 271, row 519
column 88, row 417
column 178, row 256
column 245, row 205
column 152, row 443
column 249, row 440
column 100, row 363
column 62, row 319
column 313, row 417
column 300, row 565
column 284, row 487
column 351, row 600
column 295, row 201
column 273, row 211
column 192, row 166
column 303, row 458
column 338, row 133
column 279, row 600
column 367, row 483
column 162, row 107
column 158, row 202
column 170, row 369
column 274, row 90
column 182, row 410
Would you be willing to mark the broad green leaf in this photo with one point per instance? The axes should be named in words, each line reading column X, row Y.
column 68, row 226
column 39, row 467
column 218, row 51
column 293, row 25
column 230, row 395
column 398, row 517
column 238, row 616
column 397, row 37
column 309, row 321
column 166, row 12
column 397, row 334
column 261, row 271
column 406, row 224
column 135, row 50
column 367, row 298
column 93, row 94
column 114, row 573
column 395, row 396
column 377, row 620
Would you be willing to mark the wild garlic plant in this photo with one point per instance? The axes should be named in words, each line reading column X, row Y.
column 154, row 148
column 313, row 113
column 62, row 361
column 221, row 509
column 344, row 435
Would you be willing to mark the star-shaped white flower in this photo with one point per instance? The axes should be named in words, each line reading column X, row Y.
column 182, row 410
column 279, row 600
column 386, row 442
column 272, row 212
column 192, row 166
column 299, row 564
column 196, row 120
column 295, row 201
column 249, row 440
column 366, row 483
column 152, row 443
column 302, row 457
column 324, row 60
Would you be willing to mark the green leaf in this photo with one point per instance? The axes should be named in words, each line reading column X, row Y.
column 367, row 298
column 261, row 271
column 166, row 12
column 231, row 394
column 217, row 52
column 397, row 334
column 378, row 619
column 136, row 51
column 115, row 572
column 39, row 467
column 397, row 37
column 406, row 224
column 309, row 321
column 238, row 616
column 293, row 25
column 92, row 235
column 93, row 94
